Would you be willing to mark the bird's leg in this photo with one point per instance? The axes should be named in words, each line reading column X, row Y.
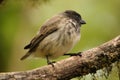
column 48, row 61
column 73, row 54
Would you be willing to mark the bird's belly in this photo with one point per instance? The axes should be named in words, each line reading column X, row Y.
column 56, row 45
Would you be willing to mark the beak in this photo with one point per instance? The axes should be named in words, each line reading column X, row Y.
column 82, row 21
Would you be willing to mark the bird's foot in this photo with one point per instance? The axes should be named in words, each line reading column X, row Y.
column 51, row 63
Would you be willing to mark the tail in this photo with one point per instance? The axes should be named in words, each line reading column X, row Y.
column 25, row 56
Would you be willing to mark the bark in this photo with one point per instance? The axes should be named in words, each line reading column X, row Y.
column 90, row 61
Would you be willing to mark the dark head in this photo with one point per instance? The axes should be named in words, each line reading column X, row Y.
column 74, row 15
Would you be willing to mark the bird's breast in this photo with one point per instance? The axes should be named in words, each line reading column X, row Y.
column 59, row 42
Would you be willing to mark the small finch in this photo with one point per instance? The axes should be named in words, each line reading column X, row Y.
column 56, row 37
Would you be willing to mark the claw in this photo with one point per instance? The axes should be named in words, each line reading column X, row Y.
column 51, row 63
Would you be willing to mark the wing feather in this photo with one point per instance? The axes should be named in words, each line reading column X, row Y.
column 48, row 28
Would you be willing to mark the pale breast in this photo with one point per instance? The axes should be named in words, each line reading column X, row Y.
column 59, row 42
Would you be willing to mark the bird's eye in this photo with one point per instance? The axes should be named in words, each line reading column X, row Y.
column 77, row 16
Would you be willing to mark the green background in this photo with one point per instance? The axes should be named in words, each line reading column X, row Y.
column 21, row 19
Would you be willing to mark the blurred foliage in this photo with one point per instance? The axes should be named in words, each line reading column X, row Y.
column 20, row 20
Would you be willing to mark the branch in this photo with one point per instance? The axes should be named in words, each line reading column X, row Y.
column 90, row 61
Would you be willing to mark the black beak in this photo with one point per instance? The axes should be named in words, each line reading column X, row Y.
column 82, row 21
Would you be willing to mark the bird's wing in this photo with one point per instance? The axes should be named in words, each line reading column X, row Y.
column 48, row 28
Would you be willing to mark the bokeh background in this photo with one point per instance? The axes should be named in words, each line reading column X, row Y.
column 21, row 19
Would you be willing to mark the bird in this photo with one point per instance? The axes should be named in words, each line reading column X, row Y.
column 56, row 37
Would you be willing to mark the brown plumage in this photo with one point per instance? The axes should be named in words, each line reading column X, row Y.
column 57, row 36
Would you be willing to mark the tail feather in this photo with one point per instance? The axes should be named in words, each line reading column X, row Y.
column 25, row 56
